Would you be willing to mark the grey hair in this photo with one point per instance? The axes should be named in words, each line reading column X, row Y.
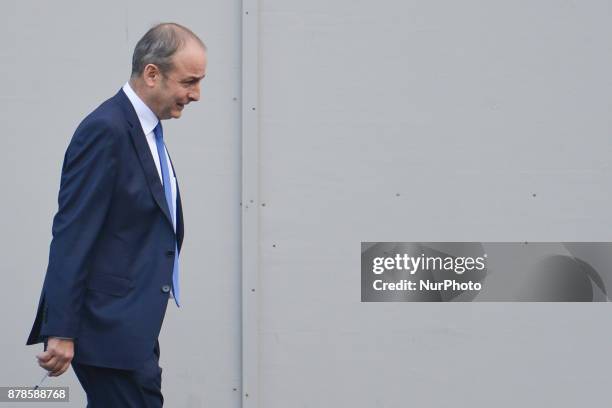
column 158, row 46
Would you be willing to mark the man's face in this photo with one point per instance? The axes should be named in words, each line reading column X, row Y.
column 182, row 84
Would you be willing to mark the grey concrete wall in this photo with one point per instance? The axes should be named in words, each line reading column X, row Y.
column 429, row 121
column 58, row 61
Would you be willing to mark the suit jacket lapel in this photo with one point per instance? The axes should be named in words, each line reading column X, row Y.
column 148, row 165
column 144, row 155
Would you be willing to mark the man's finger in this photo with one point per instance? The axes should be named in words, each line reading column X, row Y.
column 45, row 356
column 51, row 365
column 47, row 363
column 45, row 359
column 62, row 370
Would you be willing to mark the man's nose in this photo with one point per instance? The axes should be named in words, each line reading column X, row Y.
column 194, row 95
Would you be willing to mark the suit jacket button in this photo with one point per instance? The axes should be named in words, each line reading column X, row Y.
column 170, row 253
column 165, row 288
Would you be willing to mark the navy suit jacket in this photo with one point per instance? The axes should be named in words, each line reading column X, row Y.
column 111, row 257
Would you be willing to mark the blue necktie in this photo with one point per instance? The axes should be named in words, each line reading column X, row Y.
column 159, row 141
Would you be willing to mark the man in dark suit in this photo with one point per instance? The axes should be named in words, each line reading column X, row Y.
column 118, row 231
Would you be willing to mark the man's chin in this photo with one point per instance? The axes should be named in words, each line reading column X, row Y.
column 175, row 114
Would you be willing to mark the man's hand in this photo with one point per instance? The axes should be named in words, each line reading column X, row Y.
column 58, row 356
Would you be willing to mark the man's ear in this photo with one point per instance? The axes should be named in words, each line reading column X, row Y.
column 151, row 74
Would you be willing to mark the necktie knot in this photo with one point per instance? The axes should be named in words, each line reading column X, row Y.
column 159, row 132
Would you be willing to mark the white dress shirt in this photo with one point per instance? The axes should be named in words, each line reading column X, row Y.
column 148, row 121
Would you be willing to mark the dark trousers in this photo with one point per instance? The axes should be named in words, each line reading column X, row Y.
column 111, row 387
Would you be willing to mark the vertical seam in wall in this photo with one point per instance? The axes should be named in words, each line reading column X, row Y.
column 250, row 206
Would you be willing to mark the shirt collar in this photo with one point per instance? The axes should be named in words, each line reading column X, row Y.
column 147, row 118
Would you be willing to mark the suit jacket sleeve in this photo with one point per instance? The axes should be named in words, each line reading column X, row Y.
column 86, row 190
